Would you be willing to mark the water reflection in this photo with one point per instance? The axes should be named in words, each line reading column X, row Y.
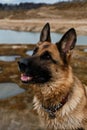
column 29, row 52
column 85, row 50
column 9, row 36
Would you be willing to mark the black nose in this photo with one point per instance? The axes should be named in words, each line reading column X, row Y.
column 23, row 63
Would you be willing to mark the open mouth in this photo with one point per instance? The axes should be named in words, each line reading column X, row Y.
column 36, row 79
column 25, row 78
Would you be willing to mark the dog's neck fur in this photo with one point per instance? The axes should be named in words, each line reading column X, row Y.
column 51, row 93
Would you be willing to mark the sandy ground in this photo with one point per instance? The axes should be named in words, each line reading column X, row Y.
column 57, row 25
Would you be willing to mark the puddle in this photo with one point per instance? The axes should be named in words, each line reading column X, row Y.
column 9, row 90
column 9, row 58
column 85, row 50
column 29, row 52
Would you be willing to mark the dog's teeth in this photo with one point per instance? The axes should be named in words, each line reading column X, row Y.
column 29, row 78
column 25, row 78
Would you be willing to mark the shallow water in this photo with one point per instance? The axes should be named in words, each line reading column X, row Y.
column 9, row 89
column 8, row 58
column 85, row 50
column 9, row 36
column 30, row 52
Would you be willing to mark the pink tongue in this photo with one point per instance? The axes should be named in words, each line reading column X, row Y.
column 25, row 78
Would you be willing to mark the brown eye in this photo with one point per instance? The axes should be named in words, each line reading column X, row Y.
column 46, row 56
column 35, row 51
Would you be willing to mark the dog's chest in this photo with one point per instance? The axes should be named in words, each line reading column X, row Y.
column 62, row 122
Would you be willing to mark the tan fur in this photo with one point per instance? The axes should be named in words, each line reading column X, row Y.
column 74, row 113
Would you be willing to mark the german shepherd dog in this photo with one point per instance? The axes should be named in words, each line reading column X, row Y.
column 60, row 98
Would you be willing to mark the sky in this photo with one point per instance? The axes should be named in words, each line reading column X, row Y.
column 35, row 1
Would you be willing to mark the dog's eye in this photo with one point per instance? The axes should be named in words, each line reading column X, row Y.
column 46, row 56
column 35, row 50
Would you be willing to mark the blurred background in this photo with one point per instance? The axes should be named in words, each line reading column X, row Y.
column 20, row 24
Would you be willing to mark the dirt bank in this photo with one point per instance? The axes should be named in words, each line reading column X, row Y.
column 57, row 25
column 61, row 16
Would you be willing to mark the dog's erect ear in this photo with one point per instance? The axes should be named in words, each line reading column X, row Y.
column 67, row 42
column 45, row 33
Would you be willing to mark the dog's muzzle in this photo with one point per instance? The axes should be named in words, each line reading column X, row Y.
column 23, row 67
column 33, row 70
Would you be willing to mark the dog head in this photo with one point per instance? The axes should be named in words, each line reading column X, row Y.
column 48, row 59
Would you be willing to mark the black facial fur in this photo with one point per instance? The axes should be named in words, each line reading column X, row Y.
column 35, row 50
column 47, row 56
column 35, row 68
column 80, row 129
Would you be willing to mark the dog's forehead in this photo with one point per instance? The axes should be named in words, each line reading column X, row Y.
column 41, row 44
column 47, row 46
